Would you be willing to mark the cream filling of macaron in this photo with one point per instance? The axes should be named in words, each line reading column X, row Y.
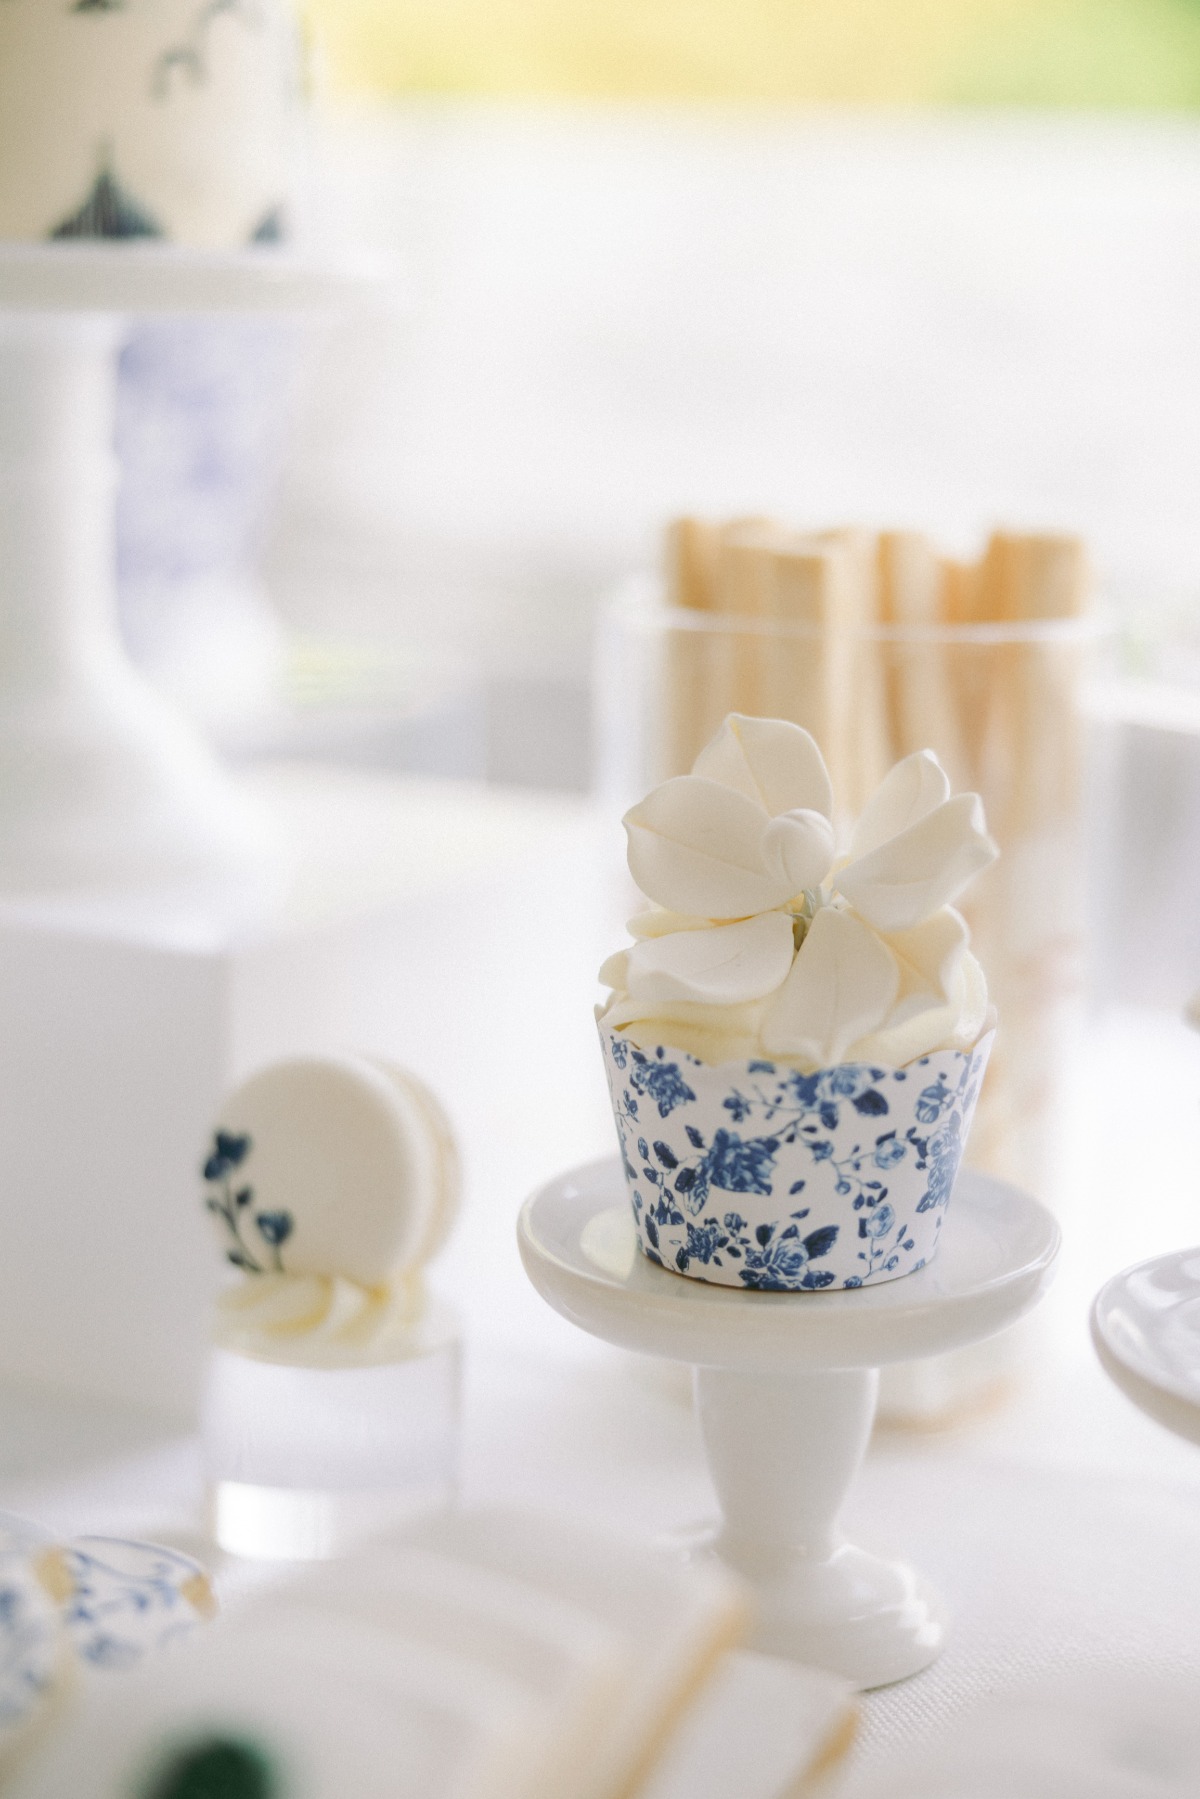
column 320, row 1319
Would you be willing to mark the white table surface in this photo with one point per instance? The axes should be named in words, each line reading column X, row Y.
column 1063, row 1528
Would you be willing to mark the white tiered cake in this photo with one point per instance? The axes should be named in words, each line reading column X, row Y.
column 171, row 119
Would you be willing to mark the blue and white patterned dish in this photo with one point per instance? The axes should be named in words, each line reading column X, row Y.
column 33, row 1651
column 751, row 1174
column 128, row 1600
column 118, row 1599
column 101, row 1602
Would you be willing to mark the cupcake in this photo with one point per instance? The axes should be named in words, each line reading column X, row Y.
column 795, row 1039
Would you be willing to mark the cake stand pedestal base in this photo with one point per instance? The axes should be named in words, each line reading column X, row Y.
column 786, row 1387
column 783, row 1451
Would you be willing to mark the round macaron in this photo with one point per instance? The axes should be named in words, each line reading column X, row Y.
column 331, row 1165
column 447, row 1170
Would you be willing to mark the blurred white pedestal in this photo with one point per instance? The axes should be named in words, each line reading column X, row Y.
column 102, row 787
column 421, row 924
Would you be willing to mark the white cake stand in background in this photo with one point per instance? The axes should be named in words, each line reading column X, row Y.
column 105, row 792
column 786, row 1386
column 1146, row 1328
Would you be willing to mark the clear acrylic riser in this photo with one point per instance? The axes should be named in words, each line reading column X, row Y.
column 303, row 1463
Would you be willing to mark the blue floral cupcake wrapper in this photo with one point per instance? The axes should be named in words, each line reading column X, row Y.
column 751, row 1174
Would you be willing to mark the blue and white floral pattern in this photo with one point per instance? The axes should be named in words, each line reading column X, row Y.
column 128, row 1600
column 751, row 1174
column 31, row 1656
column 234, row 1204
column 102, row 1603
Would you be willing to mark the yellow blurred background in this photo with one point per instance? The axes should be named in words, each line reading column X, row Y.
column 1084, row 53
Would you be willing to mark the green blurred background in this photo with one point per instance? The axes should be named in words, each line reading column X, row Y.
column 1070, row 53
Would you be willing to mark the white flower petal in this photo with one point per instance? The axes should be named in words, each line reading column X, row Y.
column 911, row 876
column 729, row 965
column 930, row 954
column 660, row 923
column 931, row 958
column 697, row 847
column 615, row 971
column 842, row 986
column 800, row 846
column 773, row 762
column 907, row 793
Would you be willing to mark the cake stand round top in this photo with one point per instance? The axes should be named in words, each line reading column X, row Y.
column 161, row 278
column 1146, row 1328
column 578, row 1244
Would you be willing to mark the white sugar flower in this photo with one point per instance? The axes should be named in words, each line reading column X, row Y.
column 762, row 937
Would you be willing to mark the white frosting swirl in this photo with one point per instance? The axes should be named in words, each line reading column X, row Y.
column 761, row 943
column 322, row 1320
column 735, row 1033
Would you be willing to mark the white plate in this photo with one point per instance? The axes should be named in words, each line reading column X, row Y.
column 1146, row 1328
column 578, row 1244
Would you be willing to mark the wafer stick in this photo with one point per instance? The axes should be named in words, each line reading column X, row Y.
column 1034, row 576
column 1035, row 745
column 836, row 684
column 723, row 572
column 808, row 667
column 921, row 673
column 859, row 677
column 1024, row 914
column 744, row 587
column 691, row 568
column 802, row 680
column 960, row 591
column 691, row 561
column 959, row 603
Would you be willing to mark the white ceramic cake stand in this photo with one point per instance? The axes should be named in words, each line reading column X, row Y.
column 1146, row 1328
column 103, row 789
column 786, row 1385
